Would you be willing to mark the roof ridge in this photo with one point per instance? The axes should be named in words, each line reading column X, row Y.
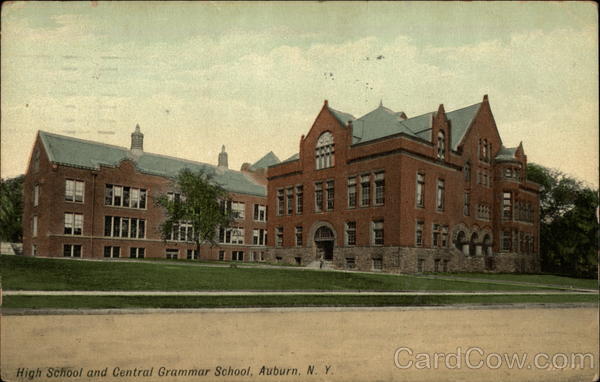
column 42, row 132
column 464, row 107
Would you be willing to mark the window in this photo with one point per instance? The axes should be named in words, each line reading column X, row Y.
column 112, row 252
column 507, row 206
column 34, row 226
column 239, row 210
column 137, row 253
column 440, row 195
column 420, row 190
column 330, row 195
column 378, row 232
column 231, row 235
column 116, row 226
column 318, row 197
column 279, row 237
column 237, row 255
column 467, row 172
column 182, row 231
column 379, row 188
column 36, row 160
column 466, row 204
column 350, row 263
column 73, row 224
column 299, row 200
column 192, row 254
column 351, row 192
column 483, row 211
column 259, row 237
column 34, row 250
column 130, row 197
column 440, row 236
column 221, row 255
column 350, row 233
column 260, row 213
column 324, row 151
column 365, row 190
column 299, row 236
column 280, row 206
column 377, row 264
column 36, row 195
column 419, row 233
column 290, row 201
column 506, row 240
column 172, row 253
column 441, row 145
column 420, row 265
column 73, row 191
column 72, row 250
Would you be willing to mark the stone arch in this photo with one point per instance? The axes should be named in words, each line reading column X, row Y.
column 315, row 227
column 474, row 245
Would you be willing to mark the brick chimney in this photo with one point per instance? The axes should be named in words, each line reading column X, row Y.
column 137, row 141
column 223, row 158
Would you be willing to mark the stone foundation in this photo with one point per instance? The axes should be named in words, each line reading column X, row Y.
column 410, row 260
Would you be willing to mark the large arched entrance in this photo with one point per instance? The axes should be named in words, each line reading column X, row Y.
column 462, row 243
column 324, row 241
column 487, row 245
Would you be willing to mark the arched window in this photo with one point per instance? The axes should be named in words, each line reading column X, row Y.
column 324, row 151
column 484, row 148
column 441, row 145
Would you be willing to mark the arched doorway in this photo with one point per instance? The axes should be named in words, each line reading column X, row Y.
column 473, row 244
column 461, row 243
column 487, row 245
column 324, row 241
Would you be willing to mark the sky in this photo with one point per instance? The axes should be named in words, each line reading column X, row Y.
column 253, row 76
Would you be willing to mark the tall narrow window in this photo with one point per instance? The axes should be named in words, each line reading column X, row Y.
column 69, row 190
column 279, row 237
column 440, row 195
column 299, row 200
column 299, row 236
column 36, row 160
column 290, row 200
column 330, row 195
column 507, row 206
column 420, row 196
column 467, row 172
column 34, row 226
column 436, row 235
column 36, row 195
column 280, row 201
column 419, row 233
column 318, row 197
column 377, row 232
column 350, row 233
column 260, row 213
column 379, row 188
column 466, row 204
column 351, row 192
column 441, row 145
column 365, row 190
column 324, row 151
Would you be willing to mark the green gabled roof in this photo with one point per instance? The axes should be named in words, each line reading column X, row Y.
column 81, row 153
column 506, row 154
column 383, row 122
column 292, row 158
column 460, row 120
column 268, row 160
column 342, row 117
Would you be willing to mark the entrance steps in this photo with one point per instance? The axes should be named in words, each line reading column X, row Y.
column 317, row 265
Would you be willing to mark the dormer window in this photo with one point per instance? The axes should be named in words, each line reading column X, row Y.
column 441, row 145
column 324, row 151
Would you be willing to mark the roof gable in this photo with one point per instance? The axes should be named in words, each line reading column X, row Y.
column 81, row 153
column 460, row 121
column 268, row 160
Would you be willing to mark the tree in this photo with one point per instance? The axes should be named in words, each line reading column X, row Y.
column 568, row 223
column 11, row 209
column 197, row 200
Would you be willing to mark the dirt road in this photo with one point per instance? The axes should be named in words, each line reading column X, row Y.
column 387, row 344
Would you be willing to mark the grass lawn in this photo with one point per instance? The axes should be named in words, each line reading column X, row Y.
column 106, row 302
column 541, row 279
column 26, row 273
